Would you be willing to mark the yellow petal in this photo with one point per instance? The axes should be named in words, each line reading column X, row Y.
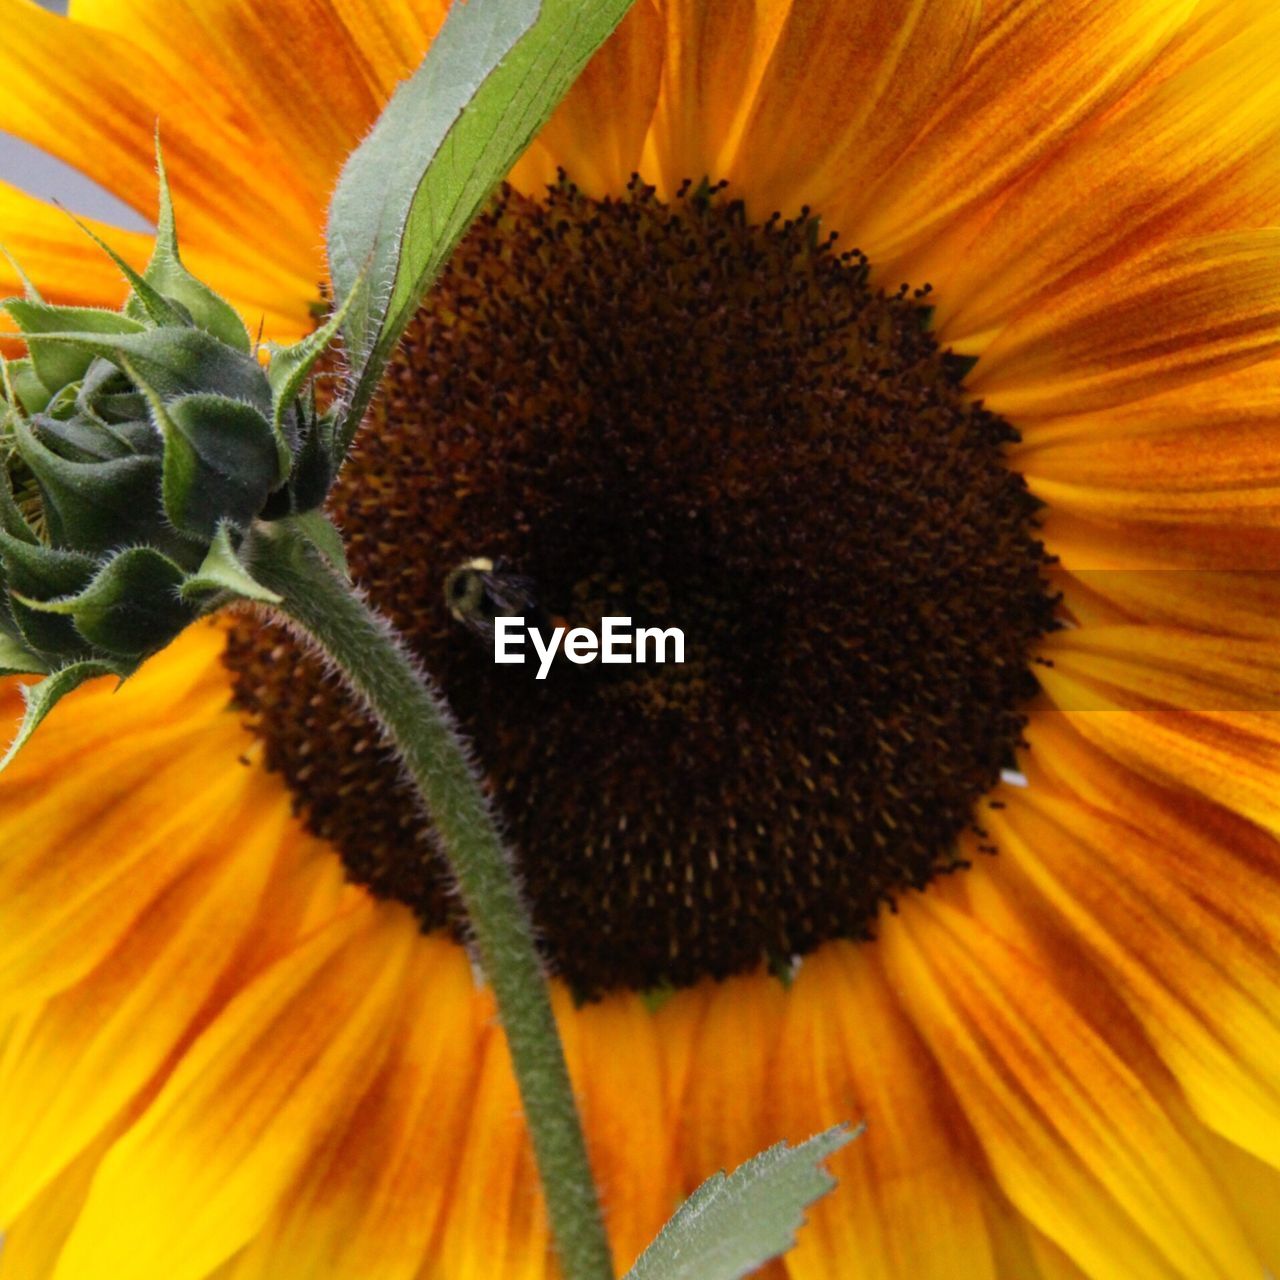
column 73, row 1065
column 1183, row 931
column 1077, row 1141
column 82, row 862
column 373, row 1192
column 50, row 248
column 198, row 1175
column 911, row 1199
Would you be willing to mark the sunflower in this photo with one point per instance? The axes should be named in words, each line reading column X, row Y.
column 921, row 361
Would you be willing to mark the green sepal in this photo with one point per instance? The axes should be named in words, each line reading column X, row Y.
column 316, row 463
column 12, row 521
column 323, row 534
column 219, row 461
column 32, row 569
column 31, row 395
column 167, row 275
column 92, row 506
column 153, row 305
column 223, row 575
column 58, row 362
column 16, row 659
column 36, row 573
column 288, row 370
column 131, row 607
column 80, row 439
column 173, row 361
column 42, row 697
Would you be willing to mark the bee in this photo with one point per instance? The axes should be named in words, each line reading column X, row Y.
column 481, row 589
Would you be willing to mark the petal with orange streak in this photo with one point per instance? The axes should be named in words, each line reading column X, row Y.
column 845, row 91
column 75, row 1062
column 912, row 1189
column 615, row 1062
column 729, row 1108
column 1075, row 1137
column 373, row 1194
column 51, row 249
column 714, row 57
column 1192, row 155
column 99, row 114
column 1184, row 311
column 1159, row 668
column 1035, row 76
column 1183, row 934
column 497, row 1223
column 200, row 1172
column 107, row 807
column 597, row 134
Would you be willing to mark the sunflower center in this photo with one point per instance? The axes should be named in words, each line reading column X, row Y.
column 664, row 412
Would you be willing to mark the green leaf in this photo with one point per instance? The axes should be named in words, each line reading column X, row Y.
column 492, row 77
column 41, row 698
column 219, row 461
column 732, row 1225
column 222, row 574
column 169, row 277
column 132, row 606
column 58, row 363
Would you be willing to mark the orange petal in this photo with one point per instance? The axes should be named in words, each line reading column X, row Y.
column 373, row 1193
column 1076, row 1139
column 913, row 1189
column 1192, row 155
column 99, row 114
column 813, row 138
column 1183, row 928
column 1161, row 668
column 1183, row 312
column 199, row 1174
column 1035, row 76
column 714, row 58
column 1217, row 602
column 79, row 864
column 598, row 132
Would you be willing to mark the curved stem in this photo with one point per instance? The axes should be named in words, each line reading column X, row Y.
column 416, row 720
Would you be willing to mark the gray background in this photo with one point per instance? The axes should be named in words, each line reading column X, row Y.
column 31, row 169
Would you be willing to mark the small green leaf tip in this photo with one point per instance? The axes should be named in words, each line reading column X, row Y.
column 140, row 448
column 732, row 1225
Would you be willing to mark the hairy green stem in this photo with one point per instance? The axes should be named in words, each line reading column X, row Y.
column 416, row 720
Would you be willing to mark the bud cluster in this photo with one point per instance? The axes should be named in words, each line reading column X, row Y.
column 138, row 448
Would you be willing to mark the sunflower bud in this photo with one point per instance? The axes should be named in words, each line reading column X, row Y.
column 139, row 447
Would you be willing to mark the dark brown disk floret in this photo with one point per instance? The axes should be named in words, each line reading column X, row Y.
column 663, row 411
